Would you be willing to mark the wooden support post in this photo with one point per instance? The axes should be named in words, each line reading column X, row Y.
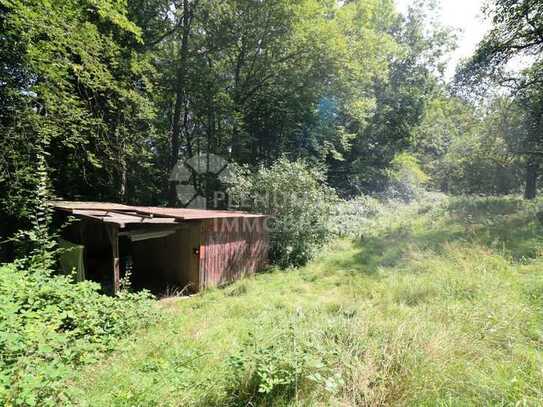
column 113, row 232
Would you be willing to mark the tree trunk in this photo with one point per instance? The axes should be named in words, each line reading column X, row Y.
column 179, row 96
column 236, row 136
column 124, row 180
column 531, row 178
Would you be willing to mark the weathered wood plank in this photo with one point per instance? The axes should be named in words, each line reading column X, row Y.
column 113, row 233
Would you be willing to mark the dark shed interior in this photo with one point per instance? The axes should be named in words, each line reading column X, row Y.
column 150, row 255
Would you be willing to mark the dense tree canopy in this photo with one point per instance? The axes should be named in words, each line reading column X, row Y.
column 110, row 95
column 114, row 93
column 73, row 91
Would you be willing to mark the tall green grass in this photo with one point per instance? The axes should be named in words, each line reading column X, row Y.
column 438, row 305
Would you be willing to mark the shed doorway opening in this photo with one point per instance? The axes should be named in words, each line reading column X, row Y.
column 164, row 261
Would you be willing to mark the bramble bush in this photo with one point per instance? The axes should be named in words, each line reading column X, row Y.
column 299, row 203
column 49, row 325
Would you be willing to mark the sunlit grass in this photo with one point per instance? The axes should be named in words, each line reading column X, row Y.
column 443, row 307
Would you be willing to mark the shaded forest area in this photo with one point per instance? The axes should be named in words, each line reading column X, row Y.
column 100, row 98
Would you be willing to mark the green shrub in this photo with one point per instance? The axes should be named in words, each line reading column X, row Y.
column 49, row 325
column 299, row 204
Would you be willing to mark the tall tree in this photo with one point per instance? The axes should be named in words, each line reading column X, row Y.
column 74, row 89
column 264, row 79
column 517, row 31
column 400, row 99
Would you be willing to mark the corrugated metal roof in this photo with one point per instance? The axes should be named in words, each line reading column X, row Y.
column 127, row 214
column 121, row 218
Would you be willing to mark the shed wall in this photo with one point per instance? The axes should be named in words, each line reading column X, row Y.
column 232, row 248
column 189, row 241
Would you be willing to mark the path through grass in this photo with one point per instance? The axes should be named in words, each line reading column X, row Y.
column 439, row 306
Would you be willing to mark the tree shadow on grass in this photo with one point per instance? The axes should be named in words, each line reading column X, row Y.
column 503, row 225
column 506, row 225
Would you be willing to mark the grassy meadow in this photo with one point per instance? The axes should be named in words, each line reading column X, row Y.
column 431, row 305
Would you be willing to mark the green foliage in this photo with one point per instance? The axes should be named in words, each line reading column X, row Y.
column 472, row 150
column 268, row 370
column 432, row 293
column 74, row 91
column 401, row 95
column 298, row 202
column 516, row 31
column 39, row 241
column 49, row 326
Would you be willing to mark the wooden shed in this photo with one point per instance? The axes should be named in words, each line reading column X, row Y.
column 165, row 248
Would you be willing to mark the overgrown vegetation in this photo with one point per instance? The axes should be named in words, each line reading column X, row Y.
column 436, row 304
column 299, row 204
column 49, row 326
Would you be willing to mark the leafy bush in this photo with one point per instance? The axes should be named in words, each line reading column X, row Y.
column 299, row 204
column 49, row 325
